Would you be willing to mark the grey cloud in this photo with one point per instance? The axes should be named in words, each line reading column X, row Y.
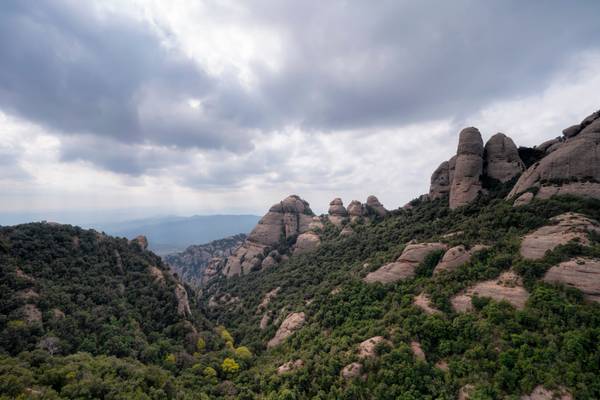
column 346, row 65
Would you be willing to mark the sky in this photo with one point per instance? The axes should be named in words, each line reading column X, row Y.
column 122, row 109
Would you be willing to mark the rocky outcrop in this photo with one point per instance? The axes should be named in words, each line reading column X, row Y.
column 404, row 266
column 284, row 222
column 508, row 286
column 347, row 231
column 290, row 366
column 157, row 274
column 353, row 370
column 577, row 159
column 455, row 257
column 141, row 241
column 183, row 304
column 267, row 299
column 337, row 212
column 366, row 349
column 417, row 351
column 291, row 324
column 566, row 227
column 580, row 273
column 465, row 392
column 502, row 161
column 191, row 264
column 440, row 181
column 31, row 314
column 424, row 303
column 306, row 242
column 466, row 183
column 356, row 210
column 264, row 321
column 374, row 207
column 541, row 393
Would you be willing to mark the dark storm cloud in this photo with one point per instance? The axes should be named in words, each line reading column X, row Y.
column 344, row 65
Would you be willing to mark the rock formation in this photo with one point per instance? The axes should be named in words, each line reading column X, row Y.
column 306, row 242
column 466, row 181
column 373, row 206
column 290, row 366
column 455, row 257
column 508, row 286
column 351, row 371
column 580, row 273
column 502, row 161
column 284, row 221
column 291, row 324
column 366, row 349
column 424, row 303
column 267, row 299
column 541, row 393
column 404, row 266
column 440, row 181
column 417, row 351
column 337, row 212
column 356, row 210
column 183, row 305
column 571, row 163
column 140, row 241
column 566, row 227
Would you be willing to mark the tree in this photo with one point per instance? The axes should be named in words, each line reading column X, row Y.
column 229, row 366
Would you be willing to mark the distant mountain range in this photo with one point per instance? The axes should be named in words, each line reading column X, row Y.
column 173, row 234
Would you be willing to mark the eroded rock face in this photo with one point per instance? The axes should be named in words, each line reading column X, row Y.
column 440, row 181
column 541, row 393
column 156, row 274
column 581, row 273
column 285, row 220
column 567, row 227
column 502, row 161
column 337, row 212
column 307, row 242
column 508, row 286
column 183, row 305
column 455, row 257
column 424, row 303
column 290, row 366
column 374, row 206
column 267, row 299
column 366, row 349
column 577, row 159
column 355, row 210
column 404, row 266
column 466, row 182
column 353, row 370
column 291, row 324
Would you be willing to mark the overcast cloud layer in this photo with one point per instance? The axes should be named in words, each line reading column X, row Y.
column 212, row 106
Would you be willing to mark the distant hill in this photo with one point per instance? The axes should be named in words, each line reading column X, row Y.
column 174, row 234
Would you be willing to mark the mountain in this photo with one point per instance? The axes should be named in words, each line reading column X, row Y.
column 173, row 234
column 191, row 263
column 486, row 287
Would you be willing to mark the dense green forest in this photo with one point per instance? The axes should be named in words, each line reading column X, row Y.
column 117, row 333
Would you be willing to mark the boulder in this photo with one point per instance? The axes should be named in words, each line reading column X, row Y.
column 375, row 207
column 465, row 392
column 424, row 303
column 347, row 231
column 440, row 181
column 508, row 286
column 566, row 227
column 290, row 366
column 443, row 365
column 548, row 145
column 366, row 349
column 502, row 161
column 316, row 224
column 351, row 371
column 337, row 212
column 577, row 159
column 291, row 324
column 541, row 393
column 455, row 257
column 581, row 273
column 404, row 266
column 306, row 242
column 466, row 181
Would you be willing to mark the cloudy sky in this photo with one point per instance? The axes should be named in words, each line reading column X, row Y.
column 200, row 107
